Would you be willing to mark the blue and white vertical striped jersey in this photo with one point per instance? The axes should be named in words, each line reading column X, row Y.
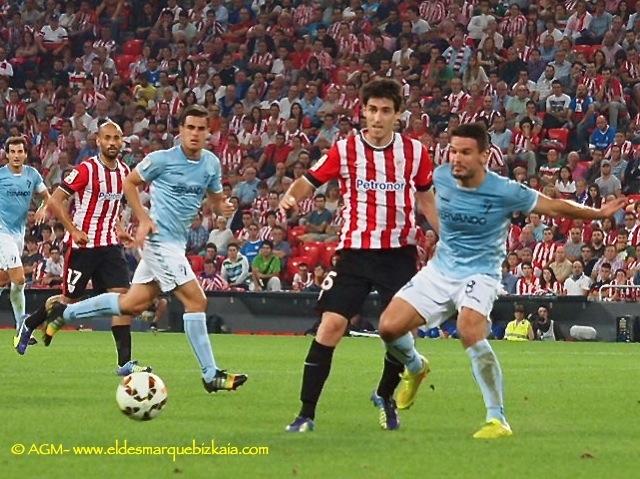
column 474, row 222
column 16, row 192
column 177, row 187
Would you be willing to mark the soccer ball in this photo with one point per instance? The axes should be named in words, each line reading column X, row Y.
column 141, row 396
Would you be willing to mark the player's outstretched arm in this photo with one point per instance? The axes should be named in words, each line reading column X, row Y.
column 41, row 213
column 556, row 207
column 220, row 204
column 130, row 189
column 57, row 204
column 426, row 201
column 299, row 189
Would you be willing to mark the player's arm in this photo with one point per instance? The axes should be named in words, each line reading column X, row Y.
column 426, row 202
column 220, row 204
column 41, row 212
column 58, row 205
column 325, row 169
column 564, row 208
column 130, row 187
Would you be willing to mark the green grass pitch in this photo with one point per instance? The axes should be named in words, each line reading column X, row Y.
column 574, row 408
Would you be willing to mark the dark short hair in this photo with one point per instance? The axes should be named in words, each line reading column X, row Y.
column 475, row 131
column 193, row 110
column 15, row 140
column 234, row 245
column 268, row 243
column 211, row 245
column 383, row 88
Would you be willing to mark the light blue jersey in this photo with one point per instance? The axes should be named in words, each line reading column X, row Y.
column 16, row 192
column 177, row 188
column 474, row 223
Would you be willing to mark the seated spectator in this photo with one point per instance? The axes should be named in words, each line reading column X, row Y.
column 196, row 236
column 603, row 278
column 31, row 257
column 221, row 236
column 54, row 269
column 561, row 266
column 247, row 189
column 545, row 328
column 578, row 284
column 281, row 247
column 602, row 137
column 609, row 257
column 251, row 246
column 509, row 279
column 279, row 182
column 574, row 244
column 210, row 253
column 549, row 284
column 519, row 329
column 621, row 293
column 265, row 270
column 210, row 280
column 316, row 221
column 235, row 269
column 527, row 284
column 302, row 279
column 319, row 275
column 587, row 258
column 608, row 184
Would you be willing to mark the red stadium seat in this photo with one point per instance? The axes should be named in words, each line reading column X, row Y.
column 561, row 135
column 122, row 64
column 327, row 254
column 133, row 47
column 294, row 233
column 197, row 263
column 313, row 251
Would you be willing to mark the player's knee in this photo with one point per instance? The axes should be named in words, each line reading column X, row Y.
column 197, row 304
column 18, row 280
column 331, row 330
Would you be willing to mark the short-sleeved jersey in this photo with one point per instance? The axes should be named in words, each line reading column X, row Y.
column 474, row 223
column 178, row 185
column 97, row 193
column 378, row 186
column 16, row 192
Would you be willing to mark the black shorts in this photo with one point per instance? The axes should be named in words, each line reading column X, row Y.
column 105, row 266
column 359, row 272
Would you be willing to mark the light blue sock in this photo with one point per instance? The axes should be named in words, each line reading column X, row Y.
column 488, row 374
column 404, row 350
column 195, row 327
column 16, row 296
column 102, row 305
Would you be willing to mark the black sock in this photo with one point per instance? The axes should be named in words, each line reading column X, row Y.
column 316, row 370
column 122, row 336
column 390, row 377
column 36, row 319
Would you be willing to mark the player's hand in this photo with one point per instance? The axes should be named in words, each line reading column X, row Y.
column 612, row 207
column 145, row 228
column 226, row 208
column 126, row 239
column 79, row 237
column 41, row 216
column 288, row 202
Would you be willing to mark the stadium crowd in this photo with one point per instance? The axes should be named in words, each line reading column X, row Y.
column 556, row 82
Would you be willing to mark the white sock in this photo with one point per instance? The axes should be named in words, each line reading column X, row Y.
column 16, row 295
column 404, row 350
column 195, row 327
column 488, row 374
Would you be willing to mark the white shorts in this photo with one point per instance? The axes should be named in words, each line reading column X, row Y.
column 10, row 251
column 164, row 264
column 437, row 298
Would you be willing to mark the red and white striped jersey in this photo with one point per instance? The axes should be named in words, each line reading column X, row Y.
column 433, row 11
column 175, row 106
column 217, row 283
column 325, row 60
column 266, row 233
column 466, row 117
column 230, row 159
column 305, row 206
column 76, row 79
column 260, row 205
column 303, row 15
column 235, row 124
column 496, row 159
column 457, row 101
column 519, row 142
column 281, row 217
column 264, row 60
column 632, row 69
column 611, row 91
column 91, row 99
column 97, row 193
column 108, row 44
column 525, row 53
column 304, row 139
column 348, row 45
column 488, row 116
column 543, row 254
column 625, row 150
column 441, row 154
column 14, row 111
column 526, row 286
column 353, row 105
column 553, row 288
column 512, row 26
column 243, row 234
column 366, row 45
column 101, row 82
column 378, row 186
column 634, row 236
column 590, row 83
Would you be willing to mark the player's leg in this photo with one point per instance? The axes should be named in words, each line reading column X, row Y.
column 343, row 293
column 16, row 294
column 426, row 298
column 475, row 303
column 192, row 297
